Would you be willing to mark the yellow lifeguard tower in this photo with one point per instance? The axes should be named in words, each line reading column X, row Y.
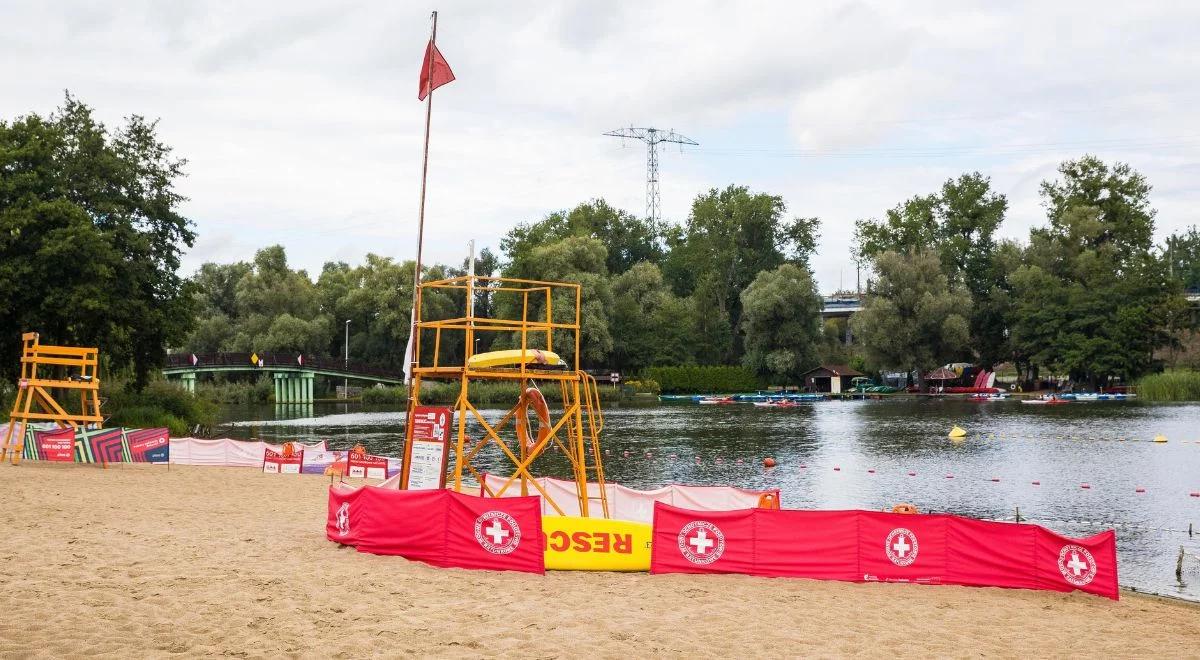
column 532, row 364
column 45, row 368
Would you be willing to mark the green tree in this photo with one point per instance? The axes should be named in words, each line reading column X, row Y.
column 959, row 224
column 650, row 325
column 1183, row 257
column 730, row 236
column 914, row 316
column 1094, row 299
column 627, row 240
column 91, row 237
column 575, row 259
column 781, row 319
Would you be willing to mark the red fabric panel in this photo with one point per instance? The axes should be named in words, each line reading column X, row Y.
column 901, row 548
column 502, row 534
column 409, row 523
column 702, row 541
column 1065, row 564
column 822, row 545
column 343, row 518
column 990, row 554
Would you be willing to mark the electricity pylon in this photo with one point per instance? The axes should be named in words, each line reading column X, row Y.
column 652, row 136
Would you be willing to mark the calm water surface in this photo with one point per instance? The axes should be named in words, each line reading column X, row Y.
column 1106, row 445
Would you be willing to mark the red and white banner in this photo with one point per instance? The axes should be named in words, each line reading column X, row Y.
column 427, row 448
column 866, row 546
column 57, row 445
column 439, row 527
column 365, row 465
column 276, row 463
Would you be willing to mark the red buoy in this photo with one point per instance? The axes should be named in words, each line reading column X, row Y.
column 768, row 462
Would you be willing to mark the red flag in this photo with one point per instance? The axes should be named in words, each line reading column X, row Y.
column 433, row 76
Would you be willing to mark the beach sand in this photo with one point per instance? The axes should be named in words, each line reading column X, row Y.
column 137, row 561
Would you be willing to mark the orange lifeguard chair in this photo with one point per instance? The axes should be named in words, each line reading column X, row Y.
column 38, row 382
column 574, row 429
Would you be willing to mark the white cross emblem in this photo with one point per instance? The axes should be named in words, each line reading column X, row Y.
column 497, row 532
column 701, row 542
column 901, row 547
column 1076, row 564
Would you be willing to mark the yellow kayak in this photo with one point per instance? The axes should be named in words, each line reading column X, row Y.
column 533, row 356
column 596, row 544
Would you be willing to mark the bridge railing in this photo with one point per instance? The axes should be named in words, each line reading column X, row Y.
column 271, row 359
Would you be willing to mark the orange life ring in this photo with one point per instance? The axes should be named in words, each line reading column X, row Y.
column 288, row 450
column 532, row 397
column 768, row 501
column 905, row 508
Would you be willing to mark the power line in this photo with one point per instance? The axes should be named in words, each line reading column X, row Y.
column 652, row 137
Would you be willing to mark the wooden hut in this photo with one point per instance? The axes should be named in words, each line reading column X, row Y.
column 832, row 378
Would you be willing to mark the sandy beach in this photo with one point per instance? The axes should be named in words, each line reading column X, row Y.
column 137, row 561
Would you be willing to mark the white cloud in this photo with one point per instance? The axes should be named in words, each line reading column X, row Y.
column 301, row 124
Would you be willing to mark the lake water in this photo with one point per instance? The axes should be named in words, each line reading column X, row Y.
column 826, row 449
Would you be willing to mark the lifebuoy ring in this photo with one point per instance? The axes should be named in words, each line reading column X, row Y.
column 532, row 397
column 905, row 508
column 288, row 450
column 768, row 501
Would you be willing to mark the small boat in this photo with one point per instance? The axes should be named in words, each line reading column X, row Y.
column 1051, row 400
column 777, row 404
column 716, row 400
column 1098, row 396
column 533, row 357
column 997, row 396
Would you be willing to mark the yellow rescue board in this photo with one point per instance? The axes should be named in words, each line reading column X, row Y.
column 533, row 356
column 595, row 544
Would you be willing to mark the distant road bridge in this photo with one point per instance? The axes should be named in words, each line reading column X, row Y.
column 293, row 373
column 840, row 306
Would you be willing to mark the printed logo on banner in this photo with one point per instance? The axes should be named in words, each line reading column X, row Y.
column 701, row 542
column 1076, row 564
column 497, row 532
column 343, row 519
column 901, row 546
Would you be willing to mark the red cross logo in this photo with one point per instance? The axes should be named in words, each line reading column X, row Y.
column 901, row 546
column 701, row 542
column 497, row 532
column 1076, row 564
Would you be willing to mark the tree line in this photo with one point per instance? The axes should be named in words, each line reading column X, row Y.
column 91, row 235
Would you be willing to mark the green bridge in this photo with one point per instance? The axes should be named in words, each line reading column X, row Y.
column 293, row 373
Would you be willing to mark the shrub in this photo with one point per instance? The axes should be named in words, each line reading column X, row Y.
column 703, row 380
column 160, row 404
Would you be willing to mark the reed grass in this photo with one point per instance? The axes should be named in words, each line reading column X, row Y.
column 1181, row 385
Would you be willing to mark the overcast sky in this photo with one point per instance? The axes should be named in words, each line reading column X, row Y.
column 301, row 124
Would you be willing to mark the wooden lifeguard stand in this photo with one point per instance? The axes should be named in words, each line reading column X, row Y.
column 574, row 429
column 39, row 362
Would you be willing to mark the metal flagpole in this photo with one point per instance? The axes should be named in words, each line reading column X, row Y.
column 413, row 339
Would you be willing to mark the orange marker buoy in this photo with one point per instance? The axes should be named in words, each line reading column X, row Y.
column 768, row 462
column 905, row 508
